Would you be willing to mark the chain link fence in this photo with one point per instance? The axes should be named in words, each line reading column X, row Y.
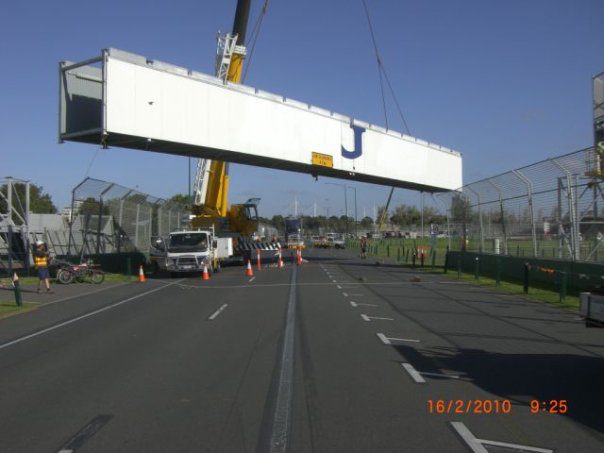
column 106, row 217
column 550, row 209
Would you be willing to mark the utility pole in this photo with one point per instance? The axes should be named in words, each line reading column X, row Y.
column 355, row 210
column 343, row 186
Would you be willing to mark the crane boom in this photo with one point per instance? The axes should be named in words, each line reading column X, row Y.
column 211, row 186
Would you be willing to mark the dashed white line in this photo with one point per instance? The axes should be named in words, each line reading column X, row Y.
column 338, row 286
column 217, row 312
column 413, row 373
column 251, row 279
column 387, row 340
column 345, row 294
column 369, row 318
column 356, row 304
column 449, row 376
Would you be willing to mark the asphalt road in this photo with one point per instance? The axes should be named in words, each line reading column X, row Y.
column 337, row 355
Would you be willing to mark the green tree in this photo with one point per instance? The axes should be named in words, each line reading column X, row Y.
column 92, row 206
column 182, row 199
column 366, row 222
column 39, row 202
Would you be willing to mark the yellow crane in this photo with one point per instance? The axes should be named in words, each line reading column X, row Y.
column 211, row 187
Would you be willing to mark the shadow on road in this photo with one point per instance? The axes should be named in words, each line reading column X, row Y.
column 524, row 377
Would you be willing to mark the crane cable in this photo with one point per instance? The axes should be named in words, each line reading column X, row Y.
column 383, row 75
column 254, row 38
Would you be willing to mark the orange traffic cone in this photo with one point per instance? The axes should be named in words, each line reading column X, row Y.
column 141, row 274
column 299, row 258
column 205, row 274
column 248, row 271
column 280, row 261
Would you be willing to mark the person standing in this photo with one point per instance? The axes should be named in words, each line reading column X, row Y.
column 41, row 261
column 364, row 247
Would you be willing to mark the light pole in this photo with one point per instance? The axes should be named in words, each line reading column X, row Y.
column 356, row 220
column 343, row 186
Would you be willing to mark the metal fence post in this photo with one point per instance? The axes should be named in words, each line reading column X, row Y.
column 529, row 193
column 138, row 209
column 480, row 223
column 574, row 233
column 502, row 213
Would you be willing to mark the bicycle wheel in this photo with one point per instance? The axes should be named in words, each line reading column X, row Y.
column 97, row 277
column 65, row 276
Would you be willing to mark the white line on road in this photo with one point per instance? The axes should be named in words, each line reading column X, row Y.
column 335, row 281
column 345, row 294
column 369, row 318
column 251, row 279
column 477, row 445
column 217, row 312
column 413, row 373
column 387, row 340
column 356, row 304
column 449, row 376
column 87, row 315
column 83, row 294
column 338, row 286
column 468, row 437
column 281, row 425
column 356, row 295
column 515, row 446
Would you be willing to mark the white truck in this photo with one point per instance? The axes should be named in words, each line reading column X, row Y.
column 189, row 251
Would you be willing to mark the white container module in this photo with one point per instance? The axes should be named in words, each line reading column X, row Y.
column 124, row 100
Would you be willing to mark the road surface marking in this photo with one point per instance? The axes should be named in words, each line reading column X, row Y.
column 345, row 294
column 356, row 294
column 281, row 425
column 43, row 304
column 251, row 279
column 217, row 312
column 413, row 373
column 356, row 304
column 87, row 315
column 83, row 435
column 468, row 437
column 477, row 445
column 338, row 286
column 387, row 340
column 449, row 376
column 369, row 318
column 335, row 281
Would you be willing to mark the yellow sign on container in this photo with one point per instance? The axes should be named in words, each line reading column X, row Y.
column 324, row 160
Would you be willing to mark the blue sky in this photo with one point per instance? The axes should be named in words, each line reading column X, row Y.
column 505, row 83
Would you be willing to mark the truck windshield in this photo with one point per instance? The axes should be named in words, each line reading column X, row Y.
column 188, row 242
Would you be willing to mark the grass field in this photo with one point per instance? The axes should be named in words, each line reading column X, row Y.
column 400, row 251
column 548, row 249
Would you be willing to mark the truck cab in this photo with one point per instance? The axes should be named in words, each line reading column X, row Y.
column 189, row 251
